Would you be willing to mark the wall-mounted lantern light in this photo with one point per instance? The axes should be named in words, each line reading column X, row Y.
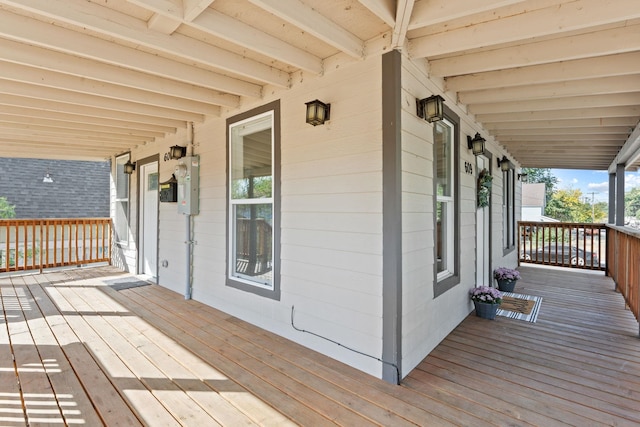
column 177, row 152
column 504, row 164
column 47, row 178
column 129, row 167
column 522, row 176
column 318, row 112
column 431, row 109
column 476, row 145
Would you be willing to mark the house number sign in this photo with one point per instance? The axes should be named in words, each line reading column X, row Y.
column 468, row 168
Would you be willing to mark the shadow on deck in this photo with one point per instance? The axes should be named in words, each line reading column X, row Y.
column 88, row 353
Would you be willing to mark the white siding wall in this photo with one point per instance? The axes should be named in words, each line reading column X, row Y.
column 427, row 320
column 331, row 218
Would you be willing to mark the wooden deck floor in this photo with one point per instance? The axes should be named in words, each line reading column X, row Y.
column 85, row 353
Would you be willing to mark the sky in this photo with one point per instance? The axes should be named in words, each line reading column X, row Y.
column 588, row 181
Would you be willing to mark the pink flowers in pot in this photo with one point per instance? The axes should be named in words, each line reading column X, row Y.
column 486, row 294
column 504, row 273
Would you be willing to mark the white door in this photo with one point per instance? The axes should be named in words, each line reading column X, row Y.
column 483, row 248
column 149, row 220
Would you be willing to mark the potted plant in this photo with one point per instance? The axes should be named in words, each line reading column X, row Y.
column 507, row 278
column 486, row 301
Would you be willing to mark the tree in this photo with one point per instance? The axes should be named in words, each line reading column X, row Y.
column 542, row 175
column 632, row 203
column 7, row 210
column 570, row 206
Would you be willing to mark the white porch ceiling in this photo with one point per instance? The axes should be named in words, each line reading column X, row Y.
column 557, row 82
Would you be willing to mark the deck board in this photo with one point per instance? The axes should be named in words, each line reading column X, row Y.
column 86, row 353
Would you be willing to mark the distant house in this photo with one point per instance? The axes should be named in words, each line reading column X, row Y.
column 55, row 188
column 534, row 203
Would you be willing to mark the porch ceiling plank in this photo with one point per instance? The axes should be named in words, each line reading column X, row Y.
column 58, row 137
column 60, row 95
column 599, row 130
column 585, row 101
column 89, row 114
column 602, row 86
column 116, row 25
column 55, row 145
column 92, row 113
column 557, row 19
column 592, row 44
column 31, row 31
column 77, row 121
column 558, row 137
column 437, row 11
column 46, row 59
column 383, row 9
column 307, row 19
column 578, row 113
column 74, row 84
column 604, row 66
column 561, row 124
column 9, row 128
column 237, row 32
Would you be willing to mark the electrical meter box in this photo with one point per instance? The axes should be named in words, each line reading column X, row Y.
column 187, row 173
column 169, row 190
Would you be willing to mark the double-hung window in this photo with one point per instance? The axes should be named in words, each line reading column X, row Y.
column 252, row 200
column 508, row 208
column 446, row 204
column 121, row 217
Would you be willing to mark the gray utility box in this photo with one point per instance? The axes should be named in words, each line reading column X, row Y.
column 187, row 173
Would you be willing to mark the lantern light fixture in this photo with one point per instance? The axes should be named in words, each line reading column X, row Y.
column 476, row 145
column 48, row 179
column 177, row 152
column 431, row 109
column 522, row 176
column 317, row 112
column 504, row 164
column 129, row 167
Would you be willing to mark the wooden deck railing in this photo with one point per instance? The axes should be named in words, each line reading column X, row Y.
column 35, row 244
column 564, row 244
column 623, row 253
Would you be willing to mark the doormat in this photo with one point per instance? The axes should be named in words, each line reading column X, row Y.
column 119, row 286
column 520, row 306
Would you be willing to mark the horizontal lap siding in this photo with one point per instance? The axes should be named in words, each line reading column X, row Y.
column 331, row 219
column 426, row 321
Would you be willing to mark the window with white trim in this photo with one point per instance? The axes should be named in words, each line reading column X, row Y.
column 253, row 149
column 121, row 217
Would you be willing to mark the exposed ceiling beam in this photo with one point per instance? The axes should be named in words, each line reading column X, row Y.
column 60, row 95
column 404, row 10
column 237, row 32
column 383, row 9
column 576, row 15
column 578, row 113
column 593, row 44
column 587, row 101
column 596, row 130
column 52, row 79
column 590, row 68
column 111, row 23
column 602, row 86
column 31, row 31
column 562, row 124
column 304, row 17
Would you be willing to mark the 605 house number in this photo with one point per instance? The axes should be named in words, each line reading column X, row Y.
column 468, row 168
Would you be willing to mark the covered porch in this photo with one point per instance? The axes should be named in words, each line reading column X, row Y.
column 91, row 346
